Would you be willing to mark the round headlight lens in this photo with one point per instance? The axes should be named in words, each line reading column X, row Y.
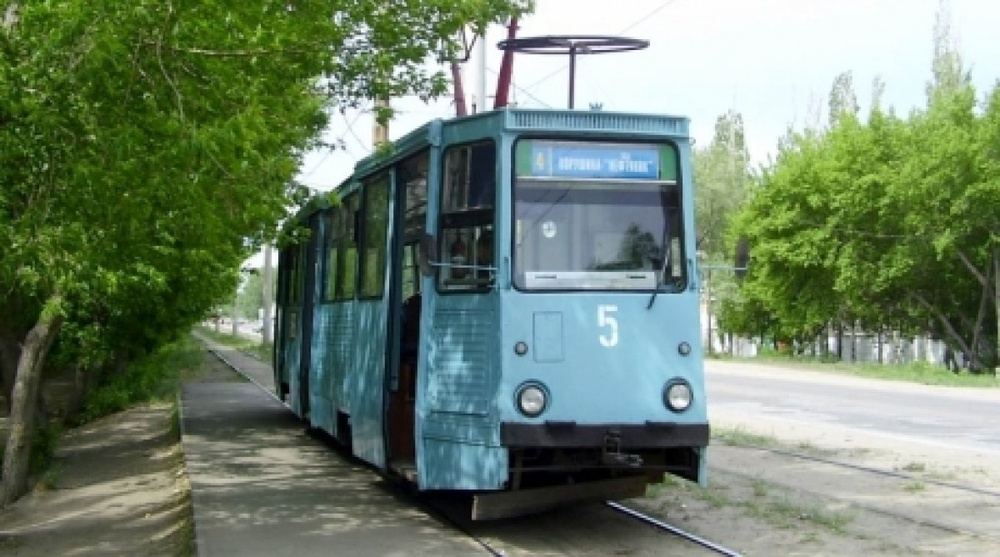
column 531, row 400
column 678, row 396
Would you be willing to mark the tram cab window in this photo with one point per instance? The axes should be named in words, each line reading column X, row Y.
column 597, row 216
column 467, row 218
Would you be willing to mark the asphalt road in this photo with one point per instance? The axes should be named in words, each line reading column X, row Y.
column 957, row 418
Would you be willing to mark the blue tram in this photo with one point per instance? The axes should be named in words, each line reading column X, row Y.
column 506, row 304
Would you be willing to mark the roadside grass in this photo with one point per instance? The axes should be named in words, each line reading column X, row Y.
column 743, row 438
column 244, row 344
column 188, row 539
column 923, row 373
column 759, row 499
column 914, row 467
column 155, row 378
column 739, row 437
column 784, row 511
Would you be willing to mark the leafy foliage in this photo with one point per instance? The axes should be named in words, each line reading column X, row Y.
column 722, row 172
column 883, row 224
column 148, row 147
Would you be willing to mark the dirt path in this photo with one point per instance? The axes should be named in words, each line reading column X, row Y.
column 118, row 489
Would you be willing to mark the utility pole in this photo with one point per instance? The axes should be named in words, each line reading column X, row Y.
column 996, row 304
column 380, row 132
column 708, row 308
column 236, row 308
column 480, row 51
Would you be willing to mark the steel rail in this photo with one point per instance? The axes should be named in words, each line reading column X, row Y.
column 672, row 529
column 879, row 471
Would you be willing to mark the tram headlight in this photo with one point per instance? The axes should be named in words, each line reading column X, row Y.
column 677, row 395
column 531, row 399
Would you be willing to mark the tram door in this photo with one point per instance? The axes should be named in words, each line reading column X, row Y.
column 306, row 320
column 283, row 328
column 404, row 358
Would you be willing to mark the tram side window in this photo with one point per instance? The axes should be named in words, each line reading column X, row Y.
column 467, row 218
column 412, row 175
column 373, row 248
column 347, row 250
column 295, row 276
column 330, row 269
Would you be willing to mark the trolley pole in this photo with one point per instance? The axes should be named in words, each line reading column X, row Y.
column 571, row 45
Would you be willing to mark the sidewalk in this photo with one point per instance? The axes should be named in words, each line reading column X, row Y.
column 261, row 486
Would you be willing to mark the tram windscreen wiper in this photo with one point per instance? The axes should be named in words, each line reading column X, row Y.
column 663, row 271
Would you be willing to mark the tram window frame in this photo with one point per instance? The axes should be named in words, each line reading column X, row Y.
column 374, row 236
column 468, row 215
column 296, row 275
column 347, row 265
column 331, row 253
column 674, row 279
column 412, row 175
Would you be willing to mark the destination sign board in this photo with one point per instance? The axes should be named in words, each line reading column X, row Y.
column 564, row 159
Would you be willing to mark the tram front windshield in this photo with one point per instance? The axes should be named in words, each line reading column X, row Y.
column 597, row 234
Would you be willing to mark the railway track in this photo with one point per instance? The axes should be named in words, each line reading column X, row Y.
column 878, row 471
column 913, row 479
column 663, row 526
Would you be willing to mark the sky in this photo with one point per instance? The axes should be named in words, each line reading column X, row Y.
column 773, row 61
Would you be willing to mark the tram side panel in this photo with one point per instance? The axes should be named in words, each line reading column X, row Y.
column 337, row 333
column 459, row 447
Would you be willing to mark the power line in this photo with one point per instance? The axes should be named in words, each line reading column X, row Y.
column 522, row 90
column 350, row 129
column 340, row 141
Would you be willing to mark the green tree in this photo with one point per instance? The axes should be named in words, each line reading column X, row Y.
column 147, row 147
column 250, row 299
column 721, row 173
column 843, row 100
column 887, row 223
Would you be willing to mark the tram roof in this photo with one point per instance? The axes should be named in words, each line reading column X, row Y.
column 518, row 120
column 527, row 120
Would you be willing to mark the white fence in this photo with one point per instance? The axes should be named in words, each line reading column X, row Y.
column 856, row 346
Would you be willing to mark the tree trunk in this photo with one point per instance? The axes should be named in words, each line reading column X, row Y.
column 24, row 403
column 9, row 353
column 12, row 332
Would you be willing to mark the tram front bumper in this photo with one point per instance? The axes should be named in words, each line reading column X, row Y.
column 650, row 435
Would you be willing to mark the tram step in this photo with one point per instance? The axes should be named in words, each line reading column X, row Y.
column 407, row 469
column 504, row 504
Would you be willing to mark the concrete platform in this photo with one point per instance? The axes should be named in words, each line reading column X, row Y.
column 262, row 486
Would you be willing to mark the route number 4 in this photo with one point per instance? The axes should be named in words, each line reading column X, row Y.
column 605, row 318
